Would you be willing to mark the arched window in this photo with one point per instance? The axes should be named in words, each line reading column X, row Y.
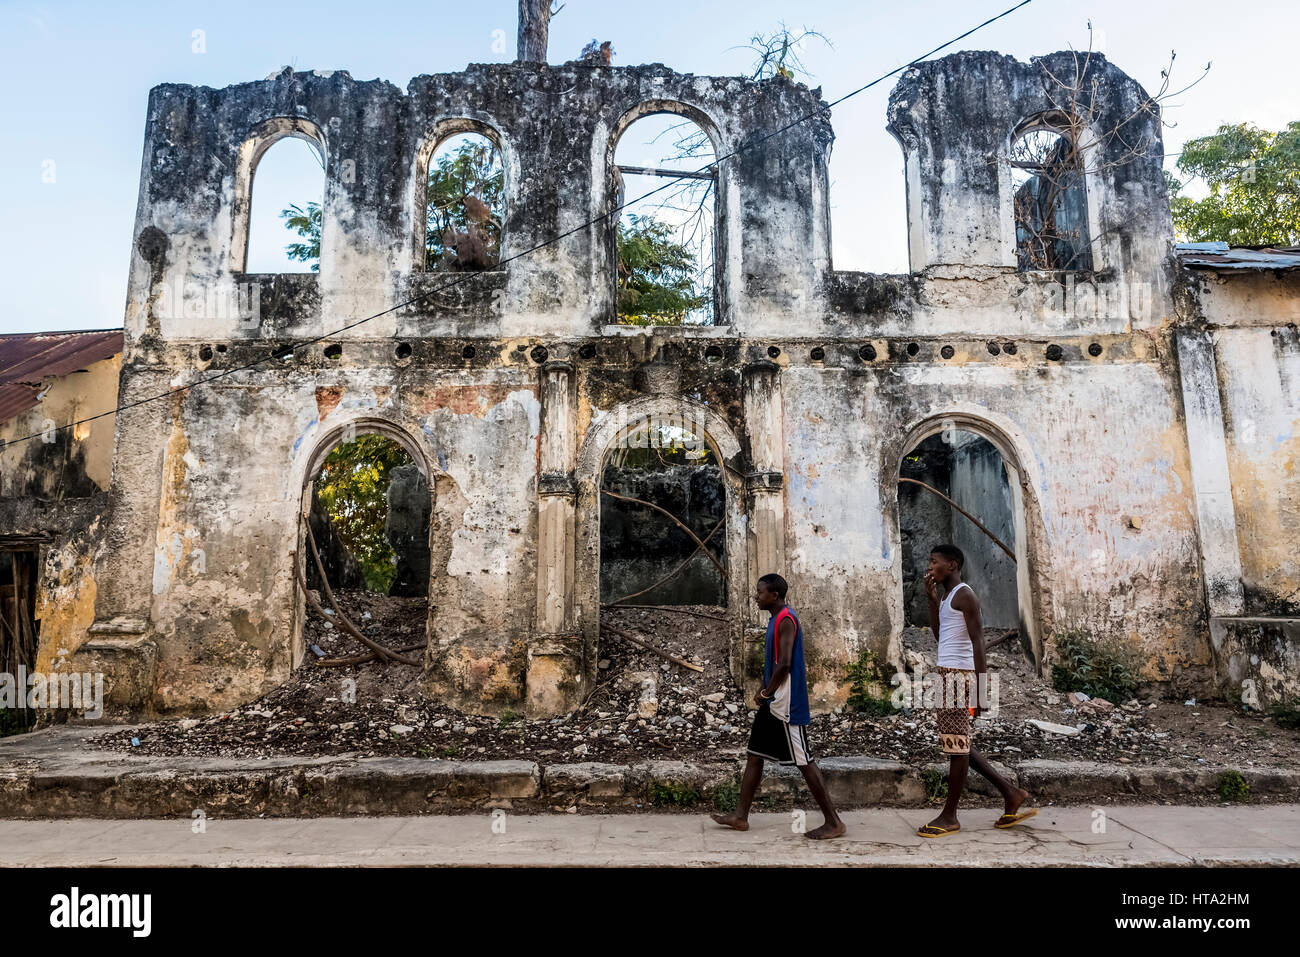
column 464, row 204
column 665, row 244
column 279, row 198
column 1049, row 200
column 284, row 225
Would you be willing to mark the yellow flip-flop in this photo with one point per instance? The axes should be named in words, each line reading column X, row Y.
column 936, row 831
column 1011, row 820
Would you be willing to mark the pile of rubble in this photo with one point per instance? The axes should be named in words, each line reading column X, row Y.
column 644, row 707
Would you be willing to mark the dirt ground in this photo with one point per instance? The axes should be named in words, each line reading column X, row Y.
column 693, row 717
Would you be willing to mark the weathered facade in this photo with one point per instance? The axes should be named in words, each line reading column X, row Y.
column 1113, row 395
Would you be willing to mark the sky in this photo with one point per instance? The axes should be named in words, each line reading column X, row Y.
column 75, row 77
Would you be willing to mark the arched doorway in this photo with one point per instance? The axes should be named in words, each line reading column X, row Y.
column 364, row 544
column 679, row 455
column 961, row 482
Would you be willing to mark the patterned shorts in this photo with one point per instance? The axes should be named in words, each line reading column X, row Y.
column 955, row 722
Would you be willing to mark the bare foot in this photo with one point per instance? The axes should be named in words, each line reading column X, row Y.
column 1012, row 804
column 731, row 821
column 827, row 831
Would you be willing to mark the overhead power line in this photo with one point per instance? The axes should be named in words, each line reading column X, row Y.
column 286, row 351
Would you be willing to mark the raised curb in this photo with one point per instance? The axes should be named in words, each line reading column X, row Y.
column 55, row 774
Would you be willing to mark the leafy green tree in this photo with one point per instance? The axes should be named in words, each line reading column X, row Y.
column 465, row 193
column 306, row 223
column 353, row 489
column 1254, row 180
column 656, row 276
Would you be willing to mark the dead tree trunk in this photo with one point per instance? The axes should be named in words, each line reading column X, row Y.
column 534, row 27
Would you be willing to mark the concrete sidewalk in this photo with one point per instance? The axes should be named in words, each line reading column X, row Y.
column 1133, row 835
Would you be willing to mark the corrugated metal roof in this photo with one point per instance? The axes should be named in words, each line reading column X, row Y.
column 1224, row 258
column 27, row 359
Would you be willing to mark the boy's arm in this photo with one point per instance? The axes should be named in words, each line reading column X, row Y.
column 785, row 634
column 966, row 602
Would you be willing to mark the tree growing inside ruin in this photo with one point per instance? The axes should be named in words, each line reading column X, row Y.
column 656, row 275
column 1052, row 158
column 534, row 28
column 465, row 206
column 1253, row 178
column 352, row 486
column 306, row 223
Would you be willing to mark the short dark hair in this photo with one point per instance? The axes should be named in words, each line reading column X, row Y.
column 950, row 552
column 775, row 583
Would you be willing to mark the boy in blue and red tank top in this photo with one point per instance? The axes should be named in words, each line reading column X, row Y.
column 780, row 726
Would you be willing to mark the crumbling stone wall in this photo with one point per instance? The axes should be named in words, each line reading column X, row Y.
column 510, row 387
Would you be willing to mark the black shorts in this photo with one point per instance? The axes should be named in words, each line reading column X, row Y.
column 778, row 740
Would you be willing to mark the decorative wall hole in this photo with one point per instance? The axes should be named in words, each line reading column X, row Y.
column 334, row 351
column 221, row 347
column 818, row 354
column 539, row 354
column 713, row 354
column 587, row 351
column 468, row 352
column 947, row 352
column 1055, row 353
column 1009, row 348
column 994, row 349
column 403, row 350
column 867, row 352
column 205, row 353
column 1094, row 350
column 773, row 351
column 913, row 348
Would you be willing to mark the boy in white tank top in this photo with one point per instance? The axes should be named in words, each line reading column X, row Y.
column 958, row 626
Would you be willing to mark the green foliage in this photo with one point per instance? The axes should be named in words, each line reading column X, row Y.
column 306, row 223
column 936, row 785
column 656, row 275
column 1287, row 714
column 727, row 795
column 472, row 169
column 1233, row 787
column 507, row 718
column 674, row 793
column 353, row 489
column 1100, row 669
column 1253, row 176
column 863, row 676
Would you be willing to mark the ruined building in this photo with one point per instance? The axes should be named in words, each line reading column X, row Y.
column 1143, row 407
